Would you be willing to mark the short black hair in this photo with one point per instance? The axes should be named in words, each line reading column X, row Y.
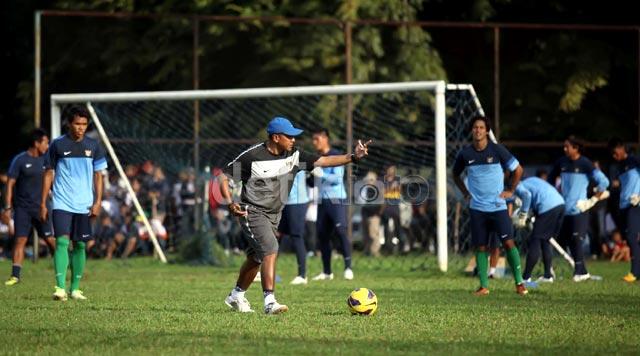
column 576, row 142
column 484, row 119
column 37, row 135
column 615, row 142
column 321, row 130
column 75, row 111
column 541, row 172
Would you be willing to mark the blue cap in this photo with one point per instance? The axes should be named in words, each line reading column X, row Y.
column 284, row 126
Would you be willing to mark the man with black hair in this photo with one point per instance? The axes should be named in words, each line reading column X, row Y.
column 332, row 210
column 78, row 162
column 485, row 163
column 575, row 172
column 25, row 175
column 629, row 178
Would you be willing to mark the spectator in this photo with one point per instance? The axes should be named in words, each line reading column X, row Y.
column 371, row 214
column 390, row 211
column 620, row 251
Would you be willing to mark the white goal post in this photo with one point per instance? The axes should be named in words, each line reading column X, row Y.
column 436, row 88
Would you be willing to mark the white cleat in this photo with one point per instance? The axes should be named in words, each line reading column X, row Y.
column 348, row 274
column 78, row 295
column 238, row 304
column 545, row 280
column 323, row 277
column 60, row 294
column 275, row 308
column 581, row 277
column 299, row 280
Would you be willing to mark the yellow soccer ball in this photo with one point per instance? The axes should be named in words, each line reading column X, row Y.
column 362, row 301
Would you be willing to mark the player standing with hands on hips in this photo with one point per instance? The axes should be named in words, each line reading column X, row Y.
column 485, row 162
column 267, row 171
column 78, row 162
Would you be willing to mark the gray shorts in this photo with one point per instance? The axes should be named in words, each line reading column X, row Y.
column 259, row 230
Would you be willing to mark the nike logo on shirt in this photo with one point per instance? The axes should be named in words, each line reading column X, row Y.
column 473, row 160
column 28, row 165
column 67, row 153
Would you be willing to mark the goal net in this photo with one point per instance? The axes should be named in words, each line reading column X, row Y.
column 418, row 127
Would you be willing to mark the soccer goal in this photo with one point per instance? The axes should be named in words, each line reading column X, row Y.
column 416, row 126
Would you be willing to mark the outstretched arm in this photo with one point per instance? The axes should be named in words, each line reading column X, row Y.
column 361, row 150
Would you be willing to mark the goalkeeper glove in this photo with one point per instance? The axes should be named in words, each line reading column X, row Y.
column 635, row 199
column 521, row 220
column 586, row 204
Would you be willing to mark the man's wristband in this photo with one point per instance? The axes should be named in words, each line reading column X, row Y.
column 8, row 207
column 354, row 158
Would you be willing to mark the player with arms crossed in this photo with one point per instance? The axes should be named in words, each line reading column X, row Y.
column 546, row 204
column 25, row 174
column 266, row 171
column 629, row 177
column 575, row 172
column 485, row 162
column 77, row 192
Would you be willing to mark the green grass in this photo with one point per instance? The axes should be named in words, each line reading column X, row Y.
column 145, row 307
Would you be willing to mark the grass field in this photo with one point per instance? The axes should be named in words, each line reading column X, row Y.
column 145, row 307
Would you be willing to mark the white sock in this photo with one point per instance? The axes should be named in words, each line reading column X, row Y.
column 269, row 298
column 492, row 270
column 237, row 294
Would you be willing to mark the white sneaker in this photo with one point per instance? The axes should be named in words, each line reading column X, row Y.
column 348, row 274
column 60, row 294
column 78, row 295
column 581, row 277
column 299, row 280
column 258, row 278
column 238, row 304
column 275, row 308
column 323, row 277
column 545, row 280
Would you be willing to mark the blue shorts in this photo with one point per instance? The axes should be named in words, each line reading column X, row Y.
column 293, row 220
column 485, row 223
column 76, row 226
column 548, row 224
column 630, row 222
column 26, row 219
column 574, row 226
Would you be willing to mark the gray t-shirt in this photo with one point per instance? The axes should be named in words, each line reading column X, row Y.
column 267, row 178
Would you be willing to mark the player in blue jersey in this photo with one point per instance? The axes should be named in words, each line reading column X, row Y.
column 575, row 172
column 629, row 178
column 25, row 175
column 485, row 163
column 332, row 209
column 544, row 202
column 78, row 162
column 292, row 223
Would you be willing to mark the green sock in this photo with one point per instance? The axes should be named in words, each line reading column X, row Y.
column 513, row 256
column 482, row 261
column 78, row 260
column 61, row 260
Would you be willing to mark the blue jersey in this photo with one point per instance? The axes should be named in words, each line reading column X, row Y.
column 574, row 180
column 332, row 181
column 74, row 164
column 629, row 180
column 27, row 171
column 298, row 194
column 538, row 196
column 485, row 174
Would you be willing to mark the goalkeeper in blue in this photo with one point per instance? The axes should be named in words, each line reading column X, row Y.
column 544, row 202
column 575, row 172
column 485, row 163
column 629, row 178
